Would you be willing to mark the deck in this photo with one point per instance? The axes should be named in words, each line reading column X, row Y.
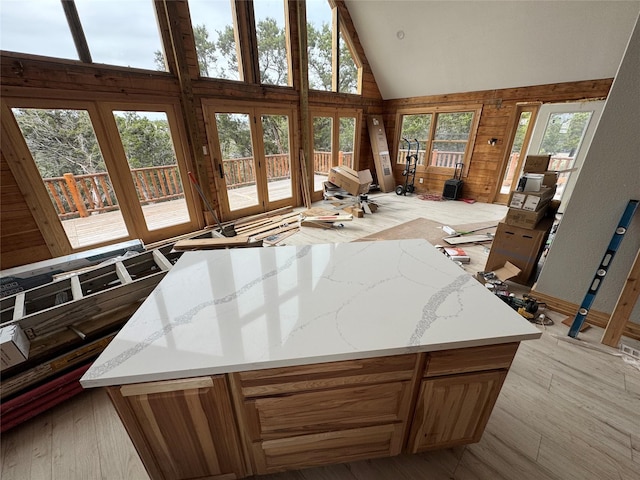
column 109, row 226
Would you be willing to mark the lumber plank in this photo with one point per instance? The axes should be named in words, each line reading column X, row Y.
column 210, row 243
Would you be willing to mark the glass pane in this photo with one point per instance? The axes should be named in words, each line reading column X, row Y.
column 66, row 152
column 147, row 143
column 562, row 139
column 214, row 33
column 122, row 33
column 234, row 137
column 348, row 80
column 275, row 130
column 319, row 44
column 414, row 127
column 516, row 151
column 272, row 42
column 38, row 27
column 347, row 141
column 322, row 151
column 450, row 138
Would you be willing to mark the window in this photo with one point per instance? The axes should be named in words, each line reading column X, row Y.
column 444, row 136
column 111, row 171
column 215, row 37
column 37, row 27
column 335, row 140
column 271, row 34
column 66, row 152
column 333, row 65
column 121, row 33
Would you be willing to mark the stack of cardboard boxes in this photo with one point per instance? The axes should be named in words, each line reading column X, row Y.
column 521, row 237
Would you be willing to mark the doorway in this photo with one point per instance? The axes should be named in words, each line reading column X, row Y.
column 252, row 158
column 565, row 131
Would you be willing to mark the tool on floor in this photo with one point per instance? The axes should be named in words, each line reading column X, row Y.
column 409, row 171
column 601, row 272
column 228, row 230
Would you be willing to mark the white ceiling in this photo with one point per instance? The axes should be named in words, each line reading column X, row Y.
column 461, row 46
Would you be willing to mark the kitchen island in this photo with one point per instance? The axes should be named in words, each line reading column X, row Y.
column 258, row 360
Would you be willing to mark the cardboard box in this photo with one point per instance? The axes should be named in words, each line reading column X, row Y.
column 550, row 179
column 504, row 273
column 14, row 346
column 532, row 201
column 536, row 163
column 348, row 179
column 517, row 217
column 519, row 246
column 381, row 156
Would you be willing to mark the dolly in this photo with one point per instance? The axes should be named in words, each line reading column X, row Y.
column 409, row 171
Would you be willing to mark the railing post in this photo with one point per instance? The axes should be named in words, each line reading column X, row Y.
column 75, row 194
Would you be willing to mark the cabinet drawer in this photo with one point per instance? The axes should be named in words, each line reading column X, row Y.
column 323, row 411
column 472, row 359
column 327, row 448
column 277, row 381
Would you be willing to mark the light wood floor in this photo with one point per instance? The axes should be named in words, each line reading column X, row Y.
column 566, row 411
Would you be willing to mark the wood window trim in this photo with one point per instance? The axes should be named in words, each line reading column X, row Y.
column 476, row 108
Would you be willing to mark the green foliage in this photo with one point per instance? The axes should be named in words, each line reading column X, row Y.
column 60, row 141
column 322, row 132
column 272, row 53
column 564, row 133
column 416, row 127
column 63, row 141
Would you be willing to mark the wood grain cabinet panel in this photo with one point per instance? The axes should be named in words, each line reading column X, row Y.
column 454, row 410
column 182, row 429
column 330, row 410
column 327, row 448
column 472, row 359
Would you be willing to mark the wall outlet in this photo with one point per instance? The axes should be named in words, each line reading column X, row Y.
column 421, row 180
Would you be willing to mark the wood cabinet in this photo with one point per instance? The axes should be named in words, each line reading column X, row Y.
column 265, row 421
column 327, row 413
column 457, row 394
column 182, row 429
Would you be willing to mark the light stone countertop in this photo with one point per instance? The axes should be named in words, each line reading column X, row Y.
column 222, row 311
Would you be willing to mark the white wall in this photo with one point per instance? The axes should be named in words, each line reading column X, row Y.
column 610, row 177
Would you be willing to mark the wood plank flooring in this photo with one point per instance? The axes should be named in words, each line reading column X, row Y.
column 565, row 412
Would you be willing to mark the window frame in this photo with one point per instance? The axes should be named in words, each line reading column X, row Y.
column 476, row 109
column 108, row 138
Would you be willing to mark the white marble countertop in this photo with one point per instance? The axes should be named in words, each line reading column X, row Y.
column 251, row 308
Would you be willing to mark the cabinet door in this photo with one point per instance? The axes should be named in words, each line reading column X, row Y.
column 182, row 429
column 454, row 410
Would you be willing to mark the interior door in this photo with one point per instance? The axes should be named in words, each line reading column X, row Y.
column 252, row 158
column 565, row 131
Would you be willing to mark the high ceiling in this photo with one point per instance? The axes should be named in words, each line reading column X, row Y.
column 424, row 47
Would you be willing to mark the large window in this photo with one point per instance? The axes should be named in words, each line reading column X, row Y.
column 116, row 33
column 271, row 35
column 214, row 33
column 333, row 65
column 444, row 136
column 111, row 172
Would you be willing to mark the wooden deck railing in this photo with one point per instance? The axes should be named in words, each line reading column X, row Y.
column 438, row 158
column 84, row 195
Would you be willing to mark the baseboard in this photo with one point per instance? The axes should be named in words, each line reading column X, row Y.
column 595, row 318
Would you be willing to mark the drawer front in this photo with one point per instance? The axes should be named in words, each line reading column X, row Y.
column 324, row 411
column 277, row 381
column 327, row 448
column 472, row 359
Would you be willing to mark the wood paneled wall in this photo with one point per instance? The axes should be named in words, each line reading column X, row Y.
column 496, row 121
column 21, row 240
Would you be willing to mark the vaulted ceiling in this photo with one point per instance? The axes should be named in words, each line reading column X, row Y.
column 424, row 47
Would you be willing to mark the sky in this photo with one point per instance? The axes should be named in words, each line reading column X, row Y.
column 119, row 32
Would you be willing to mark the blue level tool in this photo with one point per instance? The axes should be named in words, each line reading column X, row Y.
column 618, row 235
